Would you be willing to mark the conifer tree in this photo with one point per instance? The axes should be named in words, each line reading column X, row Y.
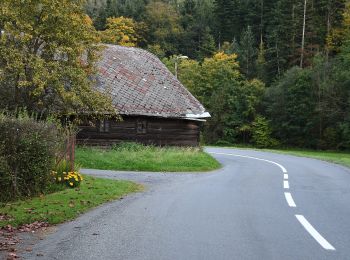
column 261, row 63
column 247, row 53
column 225, row 13
column 207, row 45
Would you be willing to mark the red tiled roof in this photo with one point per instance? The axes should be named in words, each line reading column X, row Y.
column 140, row 84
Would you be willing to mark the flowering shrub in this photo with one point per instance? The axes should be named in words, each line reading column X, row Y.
column 65, row 174
column 71, row 179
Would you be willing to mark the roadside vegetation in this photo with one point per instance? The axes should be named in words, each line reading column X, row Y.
column 137, row 157
column 38, row 182
column 342, row 158
column 66, row 204
column 27, row 156
column 42, row 84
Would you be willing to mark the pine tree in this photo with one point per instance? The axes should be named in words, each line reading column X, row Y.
column 197, row 21
column 207, row 45
column 261, row 63
column 247, row 53
column 225, row 13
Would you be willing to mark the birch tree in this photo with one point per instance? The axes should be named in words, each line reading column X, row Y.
column 303, row 36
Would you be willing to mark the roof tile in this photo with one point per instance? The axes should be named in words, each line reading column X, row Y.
column 140, row 84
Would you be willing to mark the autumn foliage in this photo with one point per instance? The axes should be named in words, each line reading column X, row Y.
column 121, row 31
column 47, row 54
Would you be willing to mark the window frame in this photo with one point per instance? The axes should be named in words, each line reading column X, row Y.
column 141, row 126
column 104, row 126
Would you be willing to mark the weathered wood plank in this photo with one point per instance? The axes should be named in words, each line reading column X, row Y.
column 158, row 131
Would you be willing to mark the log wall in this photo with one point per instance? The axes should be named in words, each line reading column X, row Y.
column 146, row 130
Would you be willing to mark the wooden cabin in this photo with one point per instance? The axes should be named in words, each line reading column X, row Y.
column 155, row 107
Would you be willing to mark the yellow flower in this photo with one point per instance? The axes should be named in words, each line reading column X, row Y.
column 59, row 178
column 71, row 184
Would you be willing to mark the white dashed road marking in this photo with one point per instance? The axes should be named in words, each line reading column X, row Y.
column 309, row 228
column 290, row 200
column 313, row 232
column 243, row 156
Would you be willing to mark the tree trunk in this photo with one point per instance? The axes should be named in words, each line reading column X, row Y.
column 328, row 28
column 293, row 32
column 261, row 21
column 278, row 60
column 303, row 37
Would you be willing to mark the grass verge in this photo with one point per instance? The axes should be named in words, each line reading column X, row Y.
column 329, row 156
column 67, row 204
column 146, row 158
column 342, row 158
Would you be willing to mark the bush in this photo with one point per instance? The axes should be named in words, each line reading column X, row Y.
column 27, row 155
column 261, row 133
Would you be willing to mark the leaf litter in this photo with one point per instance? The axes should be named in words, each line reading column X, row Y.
column 9, row 236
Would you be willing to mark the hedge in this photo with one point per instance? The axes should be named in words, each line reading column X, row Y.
column 27, row 156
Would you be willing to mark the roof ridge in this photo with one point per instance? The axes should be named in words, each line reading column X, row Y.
column 142, row 85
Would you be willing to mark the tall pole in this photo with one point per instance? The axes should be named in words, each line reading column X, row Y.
column 176, row 66
column 261, row 21
column 303, row 38
column 177, row 58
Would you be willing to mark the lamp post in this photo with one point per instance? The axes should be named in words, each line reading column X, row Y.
column 177, row 58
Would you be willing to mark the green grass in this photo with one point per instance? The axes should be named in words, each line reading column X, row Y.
column 67, row 204
column 146, row 158
column 342, row 158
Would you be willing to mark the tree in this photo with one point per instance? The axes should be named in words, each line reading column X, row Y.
column 346, row 31
column 290, row 106
column 47, row 54
column 231, row 99
column 280, row 37
column 164, row 26
column 207, row 45
column 261, row 63
column 303, row 36
column 100, row 10
column 247, row 53
column 337, row 33
column 261, row 133
column 341, row 76
column 121, row 31
column 157, row 50
column 226, row 13
column 197, row 19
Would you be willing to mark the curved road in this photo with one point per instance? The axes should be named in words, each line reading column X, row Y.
column 258, row 206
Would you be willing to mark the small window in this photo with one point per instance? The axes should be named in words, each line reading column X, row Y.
column 141, row 127
column 103, row 126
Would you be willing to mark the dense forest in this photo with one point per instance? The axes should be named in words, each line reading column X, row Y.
column 272, row 73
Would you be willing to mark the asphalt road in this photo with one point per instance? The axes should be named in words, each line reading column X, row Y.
column 242, row 211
